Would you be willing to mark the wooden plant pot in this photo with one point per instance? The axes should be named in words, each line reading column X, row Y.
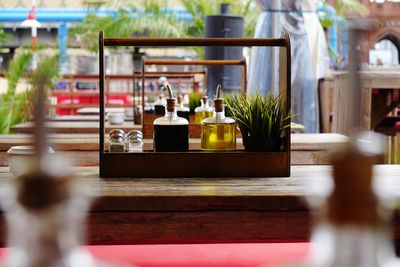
column 259, row 145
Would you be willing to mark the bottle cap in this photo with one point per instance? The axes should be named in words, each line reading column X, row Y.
column 171, row 103
column 179, row 99
column 218, row 101
column 204, row 99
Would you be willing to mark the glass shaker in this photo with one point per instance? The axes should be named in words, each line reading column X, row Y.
column 117, row 144
column 135, row 141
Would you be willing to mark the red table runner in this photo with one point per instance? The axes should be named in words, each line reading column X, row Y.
column 201, row 255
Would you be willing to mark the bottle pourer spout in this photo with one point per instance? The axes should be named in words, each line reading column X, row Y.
column 171, row 102
column 170, row 93
column 218, row 92
column 218, row 101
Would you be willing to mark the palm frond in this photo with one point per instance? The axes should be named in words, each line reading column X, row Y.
column 11, row 105
column 4, row 36
column 16, row 70
column 343, row 6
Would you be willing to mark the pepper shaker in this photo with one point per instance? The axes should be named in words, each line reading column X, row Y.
column 117, row 137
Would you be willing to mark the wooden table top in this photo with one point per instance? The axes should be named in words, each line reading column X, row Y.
column 219, row 193
column 77, row 127
column 207, row 210
column 383, row 79
column 90, row 142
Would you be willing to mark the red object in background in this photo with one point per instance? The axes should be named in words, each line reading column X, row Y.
column 202, row 255
column 123, row 100
column 397, row 127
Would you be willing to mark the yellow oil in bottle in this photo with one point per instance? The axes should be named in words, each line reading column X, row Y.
column 201, row 115
column 217, row 136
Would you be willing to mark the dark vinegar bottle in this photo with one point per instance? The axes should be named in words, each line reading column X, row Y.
column 171, row 133
column 181, row 110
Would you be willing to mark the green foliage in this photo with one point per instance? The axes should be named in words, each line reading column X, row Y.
column 86, row 33
column 342, row 8
column 151, row 20
column 16, row 107
column 199, row 9
column 258, row 116
column 4, row 37
column 350, row 6
column 194, row 100
column 16, row 70
column 13, row 104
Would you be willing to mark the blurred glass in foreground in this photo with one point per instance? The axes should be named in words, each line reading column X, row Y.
column 352, row 225
column 45, row 210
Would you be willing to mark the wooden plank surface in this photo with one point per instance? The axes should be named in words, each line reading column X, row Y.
column 326, row 95
column 74, row 127
column 195, row 163
column 372, row 110
column 306, row 148
column 90, row 141
column 197, row 210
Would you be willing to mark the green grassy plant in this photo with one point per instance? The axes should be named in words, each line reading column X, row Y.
column 258, row 116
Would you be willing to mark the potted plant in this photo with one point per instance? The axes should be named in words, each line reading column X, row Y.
column 261, row 119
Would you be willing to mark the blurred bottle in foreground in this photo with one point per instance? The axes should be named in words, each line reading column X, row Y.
column 45, row 210
column 352, row 226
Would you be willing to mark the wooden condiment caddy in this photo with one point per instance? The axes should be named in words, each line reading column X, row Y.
column 197, row 163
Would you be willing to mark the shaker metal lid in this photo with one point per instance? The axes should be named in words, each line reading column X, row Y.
column 117, row 133
column 135, row 134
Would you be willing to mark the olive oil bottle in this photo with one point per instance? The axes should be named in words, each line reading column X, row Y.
column 170, row 133
column 218, row 132
column 204, row 111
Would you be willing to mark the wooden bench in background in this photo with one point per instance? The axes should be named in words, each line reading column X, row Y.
column 307, row 149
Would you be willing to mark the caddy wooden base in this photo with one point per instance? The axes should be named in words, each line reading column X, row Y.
column 194, row 164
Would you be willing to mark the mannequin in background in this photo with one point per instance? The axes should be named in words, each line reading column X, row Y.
column 279, row 16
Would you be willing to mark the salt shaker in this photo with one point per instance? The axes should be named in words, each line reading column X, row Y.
column 135, row 141
column 117, row 137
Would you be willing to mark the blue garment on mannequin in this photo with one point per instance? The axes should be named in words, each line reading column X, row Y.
column 303, row 91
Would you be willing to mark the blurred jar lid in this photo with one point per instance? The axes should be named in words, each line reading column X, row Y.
column 25, row 150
